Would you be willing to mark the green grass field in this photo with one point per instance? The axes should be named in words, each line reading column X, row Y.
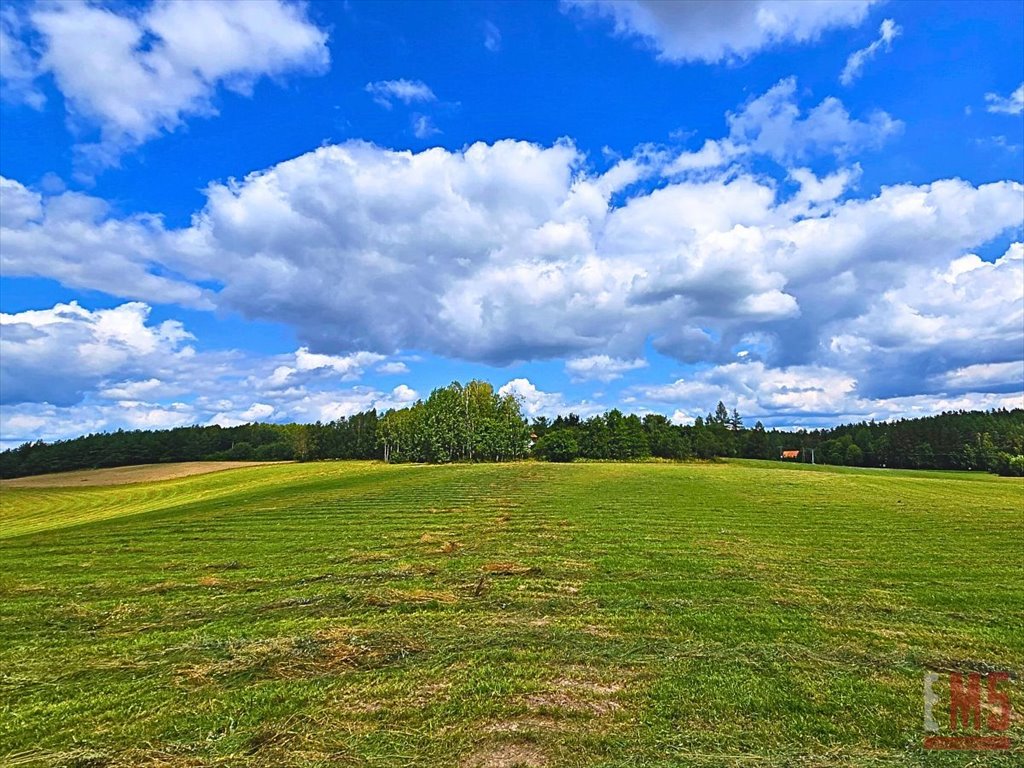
column 490, row 616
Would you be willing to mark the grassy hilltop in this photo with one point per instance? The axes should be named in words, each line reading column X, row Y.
column 529, row 614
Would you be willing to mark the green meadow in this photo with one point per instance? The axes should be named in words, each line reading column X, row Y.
column 492, row 616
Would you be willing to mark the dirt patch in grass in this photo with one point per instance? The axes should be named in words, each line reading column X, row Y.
column 570, row 701
column 527, row 724
column 143, row 473
column 506, row 756
column 580, row 693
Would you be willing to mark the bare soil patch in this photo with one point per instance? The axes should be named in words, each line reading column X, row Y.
column 506, row 756
column 577, row 694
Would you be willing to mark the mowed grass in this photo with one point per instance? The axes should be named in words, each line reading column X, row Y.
column 145, row 473
column 527, row 614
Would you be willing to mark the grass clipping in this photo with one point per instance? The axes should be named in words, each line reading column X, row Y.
column 326, row 652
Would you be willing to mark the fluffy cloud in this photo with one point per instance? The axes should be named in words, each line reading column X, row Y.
column 471, row 257
column 808, row 396
column 44, row 421
column 888, row 32
column 423, row 127
column 815, row 195
column 773, row 124
column 909, row 332
column 536, row 402
column 119, row 370
column 168, row 61
column 309, row 365
column 386, row 92
column 1006, row 105
column 946, row 337
column 74, row 238
column 758, row 389
column 388, row 236
column 601, row 367
column 85, row 347
column 513, row 251
column 254, row 413
column 18, row 68
column 713, row 154
column 984, row 377
column 710, row 31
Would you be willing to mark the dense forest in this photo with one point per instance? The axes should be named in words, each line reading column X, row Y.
column 472, row 422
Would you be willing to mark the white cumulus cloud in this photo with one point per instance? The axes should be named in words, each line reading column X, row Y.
column 74, row 238
column 711, row 31
column 774, row 124
column 58, row 355
column 386, row 92
column 536, row 402
column 601, row 367
column 18, row 67
column 119, row 370
column 136, row 74
column 809, row 395
column 1006, row 105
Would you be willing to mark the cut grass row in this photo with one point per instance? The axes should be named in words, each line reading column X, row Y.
column 532, row 614
column 29, row 508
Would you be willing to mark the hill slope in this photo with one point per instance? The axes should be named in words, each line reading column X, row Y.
column 488, row 615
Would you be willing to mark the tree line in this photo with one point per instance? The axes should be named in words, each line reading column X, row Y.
column 472, row 422
column 992, row 440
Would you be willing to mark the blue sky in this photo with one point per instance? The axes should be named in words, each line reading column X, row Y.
column 218, row 212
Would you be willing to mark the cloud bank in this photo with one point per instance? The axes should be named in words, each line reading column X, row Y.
column 811, row 301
